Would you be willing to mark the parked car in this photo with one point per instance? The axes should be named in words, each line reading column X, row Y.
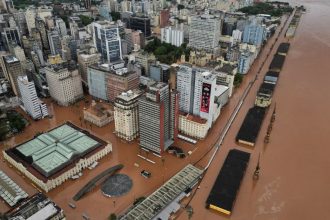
column 145, row 174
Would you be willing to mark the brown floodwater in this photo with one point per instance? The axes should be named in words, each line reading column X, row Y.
column 294, row 182
column 294, row 165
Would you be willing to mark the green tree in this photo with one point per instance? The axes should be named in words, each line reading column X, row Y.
column 85, row 20
column 180, row 7
column 112, row 216
column 115, row 15
column 238, row 79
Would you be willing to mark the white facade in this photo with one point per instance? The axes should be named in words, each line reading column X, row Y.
column 184, row 85
column 237, row 36
column 57, row 181
column 32, row 104
column 44, row 11
column 30, row 17
column 19, row 53
column 172, row 36
column 60, row 24
column 64, row 86
column 193, row 128
column 204, row 32
column 126, row 116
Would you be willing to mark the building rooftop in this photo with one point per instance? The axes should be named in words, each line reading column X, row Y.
column 10, row 191
column 35, row 208
column 194, row 118
column 48, row 154
column 10, row 59
column 99, row 109
column 227, row 68
column 129, row 95
column 163, row 196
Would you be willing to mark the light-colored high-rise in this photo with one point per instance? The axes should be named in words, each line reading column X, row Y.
column 64, row 85
column 30, row 16
column 204, row 32
column 185, row 87
column 172, row 36
column 54, row 42
column 32, row 104
column 126, row 114
column 86, row 58
column 60, row 25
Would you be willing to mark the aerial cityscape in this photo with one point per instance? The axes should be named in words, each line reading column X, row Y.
column 164, row 109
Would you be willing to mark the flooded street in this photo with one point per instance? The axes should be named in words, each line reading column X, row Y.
column 295, row 164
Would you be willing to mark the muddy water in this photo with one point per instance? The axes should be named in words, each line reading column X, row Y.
column 294, row 182
column 294, row 165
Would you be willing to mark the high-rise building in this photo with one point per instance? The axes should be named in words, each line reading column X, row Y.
column 156, row 117
column 122, row 80
column 126, row 114
column 12, row 35
column 164, row 17
column 41, row 26
column 87, row 4
column 204, row 32
column 107, row 40
column 32, row 104
column 19, row 53
column 104, row 11
column 254, row 33
column 61, row 28
column 30, row 15
column 54, row 42
column 106, row 82
column 12, row 69
column 64, row 84
column 185, row 86
column 140, row 23
column 86, row 58
column 160, row 72
column 172, row 36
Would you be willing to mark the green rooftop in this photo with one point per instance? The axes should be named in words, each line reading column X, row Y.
column 51, row 151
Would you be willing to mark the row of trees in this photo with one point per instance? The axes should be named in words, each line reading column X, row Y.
column 166, row 53
column 266, row 8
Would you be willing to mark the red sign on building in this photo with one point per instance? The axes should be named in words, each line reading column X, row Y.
column 206, row 94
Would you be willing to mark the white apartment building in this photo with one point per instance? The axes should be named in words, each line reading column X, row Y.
column 204, row 32
column 185, row 86
column 172, row 36
column 30, row 17
column 126, row 114
column 193, row 126
column 64, row 85
column 32, row 104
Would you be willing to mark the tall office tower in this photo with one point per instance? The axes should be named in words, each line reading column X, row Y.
column 12, row 35
column 204, row 32
column 254, row 33
column 30, row 15
column 19, row 53
column 105, row 82
column 41, row 27
column 185, row 86
column 155, row 118
column 174, row 114
column 12, row 69
column 204, row 95
column 32, row 104
column 172, row 36
column 54, row 42
column 64, row 84
column 104, row 11
column 19, row 17
column 126, row 115
column 160, row 72
column 107, row 41
column 8, row 5
column 86, row 58
column 140, row 23
column 61, row 28
column 164, row 18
